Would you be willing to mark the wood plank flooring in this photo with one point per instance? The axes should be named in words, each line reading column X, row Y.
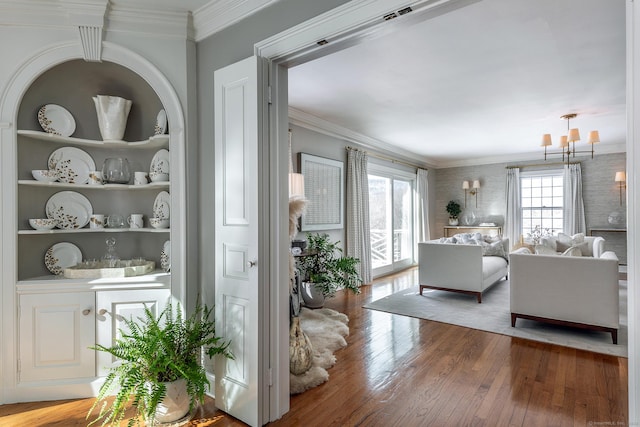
column 400, row 371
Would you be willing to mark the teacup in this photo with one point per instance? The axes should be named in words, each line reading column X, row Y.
column 158, row 176
column 159, row 222
column 96, row 221
column 95, row 178
column 140, row 178
column 135, row 221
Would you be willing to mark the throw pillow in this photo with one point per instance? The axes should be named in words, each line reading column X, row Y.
column 565, row 241
column 544, row 250
column 494, row 249
column 572, row 251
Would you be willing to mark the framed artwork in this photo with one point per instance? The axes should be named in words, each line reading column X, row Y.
column 324, row 189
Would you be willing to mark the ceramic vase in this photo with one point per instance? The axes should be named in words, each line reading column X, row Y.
column 175, row 404
column 113, row 112
column 300, row 349
column 453, row 221
column 312, row 297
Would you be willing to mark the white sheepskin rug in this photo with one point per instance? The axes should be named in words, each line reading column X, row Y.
column 327, row 330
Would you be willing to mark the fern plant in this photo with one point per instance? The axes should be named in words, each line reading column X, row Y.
column 327, row 268
column 154, row 351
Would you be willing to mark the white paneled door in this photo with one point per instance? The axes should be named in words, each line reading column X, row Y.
column 239, row 291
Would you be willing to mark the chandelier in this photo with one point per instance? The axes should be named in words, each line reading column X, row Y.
column 568, row 141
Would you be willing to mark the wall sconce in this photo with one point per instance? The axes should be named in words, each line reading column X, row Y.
column 621, row 179
column 475, row 187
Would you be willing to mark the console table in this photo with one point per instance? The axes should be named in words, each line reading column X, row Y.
column 616, row 242
column 606, row 230
column 450, row 230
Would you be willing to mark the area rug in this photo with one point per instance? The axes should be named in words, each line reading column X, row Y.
column 493, row 315
column 326, row 330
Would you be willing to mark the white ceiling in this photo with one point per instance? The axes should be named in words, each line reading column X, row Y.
column 481, row 83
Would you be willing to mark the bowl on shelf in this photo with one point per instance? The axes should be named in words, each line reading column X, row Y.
column 159, row 222
column 46, row 175
column 42, row 223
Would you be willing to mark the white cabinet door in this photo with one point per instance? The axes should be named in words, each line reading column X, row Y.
column 113, row 306
column 56, row 331
column 239, row 292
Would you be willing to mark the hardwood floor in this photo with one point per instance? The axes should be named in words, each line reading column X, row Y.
column 401, row 371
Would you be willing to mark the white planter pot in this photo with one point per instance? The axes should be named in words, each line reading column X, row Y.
column 453, row 221
column 311, row 296
column 113, row 112
column 175, row 404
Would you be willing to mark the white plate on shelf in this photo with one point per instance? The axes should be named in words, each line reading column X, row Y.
column 161, row 123
column 71, row 209
column 56, row 120
column 62, row 255
column 165, row 256
column 160, row 162
column 162, row 205
column 72, row 164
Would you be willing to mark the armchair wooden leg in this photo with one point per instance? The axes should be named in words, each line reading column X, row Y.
column 513, row 320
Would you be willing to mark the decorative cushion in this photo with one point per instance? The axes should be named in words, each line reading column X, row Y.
column 565, row 241
column 494, row 249
column 584, row 248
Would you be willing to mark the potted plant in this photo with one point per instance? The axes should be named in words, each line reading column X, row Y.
column 158, row 356
column 453, row 209
column 325, row 270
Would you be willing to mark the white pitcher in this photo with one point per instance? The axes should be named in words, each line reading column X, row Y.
column 112, row 116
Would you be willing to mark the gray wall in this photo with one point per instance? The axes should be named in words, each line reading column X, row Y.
column 600, row 194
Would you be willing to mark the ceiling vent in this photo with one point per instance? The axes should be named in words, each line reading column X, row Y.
column 392, row 15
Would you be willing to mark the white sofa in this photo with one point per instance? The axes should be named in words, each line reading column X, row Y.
column 459, row 267
column 578, row 291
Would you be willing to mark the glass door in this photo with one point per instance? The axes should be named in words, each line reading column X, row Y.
column 391, row 219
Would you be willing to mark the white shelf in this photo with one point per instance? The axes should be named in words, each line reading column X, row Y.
column 96, row 230
column 156, row 279
column 156, row 141
column 150, row 186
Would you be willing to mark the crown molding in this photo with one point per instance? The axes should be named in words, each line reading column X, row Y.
column 220, row 14
column 156, row 23
column 314, row 123
column 613, row 148
column 52, row 14
column 95, row 16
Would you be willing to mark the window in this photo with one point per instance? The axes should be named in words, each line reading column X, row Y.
column 542, row 201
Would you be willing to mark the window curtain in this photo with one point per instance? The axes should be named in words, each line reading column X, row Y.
column 358, row 228
column 422, row 188
column 513, row 215
column 573, row 220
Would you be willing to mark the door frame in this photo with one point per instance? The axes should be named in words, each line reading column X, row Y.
column 348, row 25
